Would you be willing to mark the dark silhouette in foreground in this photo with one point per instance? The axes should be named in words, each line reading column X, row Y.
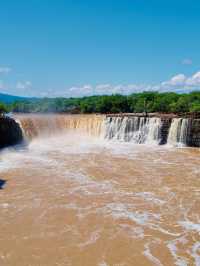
column 2, row 183
column 10, row 132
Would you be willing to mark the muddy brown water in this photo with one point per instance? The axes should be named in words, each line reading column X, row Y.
column 74, row 199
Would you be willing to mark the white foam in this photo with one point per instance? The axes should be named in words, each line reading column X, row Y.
column 172, row 245
column 92, row 239
column 188, row 225
column 148, row 254
column 121, row 211
column 103, row 263
column 148, row 196
column 135, row 232
column 196, row 253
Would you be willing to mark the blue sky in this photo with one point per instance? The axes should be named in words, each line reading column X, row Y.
column 80, row 47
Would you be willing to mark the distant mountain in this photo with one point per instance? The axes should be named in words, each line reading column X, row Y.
column 6, row 98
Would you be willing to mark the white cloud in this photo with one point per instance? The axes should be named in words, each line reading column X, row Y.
column 100, row 89
column 187, row 61
column 23, row 85
column 181, row 82
column 178, row 80
column 177, row 83
column 194, row 80
column 5, row 70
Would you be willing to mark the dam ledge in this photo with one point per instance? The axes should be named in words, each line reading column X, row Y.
column 191, row 115
column 159, row 115
column 138, row 128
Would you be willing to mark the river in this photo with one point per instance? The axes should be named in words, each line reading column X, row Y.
column 73, row 197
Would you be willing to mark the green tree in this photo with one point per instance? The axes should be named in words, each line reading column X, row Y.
column 195, row 107
column 3, row 108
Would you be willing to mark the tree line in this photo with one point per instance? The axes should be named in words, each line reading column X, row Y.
column 168, row 102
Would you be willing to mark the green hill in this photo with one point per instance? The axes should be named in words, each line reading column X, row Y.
column 6, row 98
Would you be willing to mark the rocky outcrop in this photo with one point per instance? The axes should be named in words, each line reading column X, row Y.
column 10, row 132
column 194, row 133
column 164, row 130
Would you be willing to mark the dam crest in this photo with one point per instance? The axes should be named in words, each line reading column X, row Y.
column 135, row 129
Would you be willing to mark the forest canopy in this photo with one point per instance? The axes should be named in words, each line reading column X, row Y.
column 168, row 102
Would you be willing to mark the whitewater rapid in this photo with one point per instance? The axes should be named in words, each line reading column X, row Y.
column 80, row 199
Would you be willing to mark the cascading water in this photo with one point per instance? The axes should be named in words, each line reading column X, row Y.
column 184, row 131
column 70, row 195
column 134, row 129
column 48, row 125
column 178, row 133
column 154, row 126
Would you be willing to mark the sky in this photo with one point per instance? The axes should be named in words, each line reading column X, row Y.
column 73, row 48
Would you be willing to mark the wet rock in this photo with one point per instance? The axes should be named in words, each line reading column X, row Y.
column 194, row 133
column 10, row 132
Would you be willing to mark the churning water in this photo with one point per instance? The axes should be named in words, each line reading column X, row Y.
column 76, row 195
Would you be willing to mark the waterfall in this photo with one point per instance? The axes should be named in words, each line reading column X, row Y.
column 38, row 125
column 184, row 131
column 134, row 129
column 174, row 131
column 178, row 133
column 154, row 126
